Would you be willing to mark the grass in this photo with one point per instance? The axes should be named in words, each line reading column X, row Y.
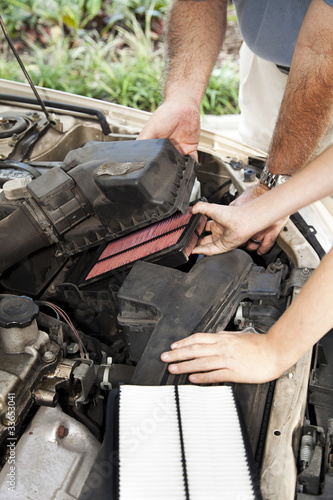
column 123, row 64
column 221, row 97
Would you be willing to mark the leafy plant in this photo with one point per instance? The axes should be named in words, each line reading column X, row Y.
column 74, row 15
column 118, row 12
column 221, row 97
column 124, row 65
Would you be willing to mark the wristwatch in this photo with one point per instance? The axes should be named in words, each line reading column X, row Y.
column 272, row 180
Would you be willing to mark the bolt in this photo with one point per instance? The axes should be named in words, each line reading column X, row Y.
column 48, row 356
column 4, row 123
column 8, row 422
column 35, row 117
column 305, row 271
column 14, row 139
column 278, row 264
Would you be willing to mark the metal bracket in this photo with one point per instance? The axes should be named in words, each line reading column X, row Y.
column 297, row 278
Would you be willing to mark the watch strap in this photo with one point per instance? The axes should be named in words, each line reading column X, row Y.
column 272, row 180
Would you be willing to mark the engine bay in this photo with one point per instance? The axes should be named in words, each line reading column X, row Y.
column 97, row 280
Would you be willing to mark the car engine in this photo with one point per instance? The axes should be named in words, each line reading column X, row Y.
column 97, row 279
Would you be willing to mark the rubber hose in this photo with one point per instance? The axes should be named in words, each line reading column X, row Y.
column 19, row 237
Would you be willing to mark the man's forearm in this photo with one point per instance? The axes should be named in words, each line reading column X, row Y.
column 195, row 36
column 307, row 105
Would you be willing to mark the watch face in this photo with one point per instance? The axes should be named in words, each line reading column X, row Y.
column 281, row 179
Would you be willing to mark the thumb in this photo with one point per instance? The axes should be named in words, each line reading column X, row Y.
column 205, row 208
column 218, row 213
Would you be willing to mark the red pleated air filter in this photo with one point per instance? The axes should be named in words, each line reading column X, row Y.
column 169, row 242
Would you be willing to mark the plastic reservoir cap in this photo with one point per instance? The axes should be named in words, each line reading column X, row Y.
column 15, row 189
column 17, row 311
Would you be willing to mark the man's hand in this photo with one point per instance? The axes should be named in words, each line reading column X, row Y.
column 263, row 240
column 178, row 120
column 224, row 357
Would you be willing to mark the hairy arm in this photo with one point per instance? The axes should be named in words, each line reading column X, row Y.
column 195, row 34
column 307, row 105
column 306, row 109
column 255, row 358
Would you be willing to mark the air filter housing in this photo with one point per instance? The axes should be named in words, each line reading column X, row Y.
column 132, row 184
column 100, row 192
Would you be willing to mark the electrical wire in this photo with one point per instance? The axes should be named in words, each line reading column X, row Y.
column 66, row 318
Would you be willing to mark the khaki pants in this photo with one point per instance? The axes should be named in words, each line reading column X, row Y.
column 262, row 86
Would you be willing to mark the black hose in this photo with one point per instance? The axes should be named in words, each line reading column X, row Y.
column 221, row 186
column 81, row 417
column 118, row 374
column 19, row 165
column 61, row 105
column 18, row 238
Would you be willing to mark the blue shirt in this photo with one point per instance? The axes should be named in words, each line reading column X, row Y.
column 270, row 28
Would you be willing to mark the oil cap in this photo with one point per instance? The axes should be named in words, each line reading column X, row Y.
column 17, row 311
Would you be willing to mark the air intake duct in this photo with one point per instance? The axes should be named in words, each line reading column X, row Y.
column 19, row 236
column 100, row 192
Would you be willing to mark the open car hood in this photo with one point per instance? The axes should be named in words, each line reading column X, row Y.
column 74, row 324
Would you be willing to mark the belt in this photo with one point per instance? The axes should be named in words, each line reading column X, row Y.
column 283, row 69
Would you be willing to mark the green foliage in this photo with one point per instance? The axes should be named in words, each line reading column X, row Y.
column 221, row 97
column 123, row 64
column 124, row 68
column 13, row 17
column 76, row 14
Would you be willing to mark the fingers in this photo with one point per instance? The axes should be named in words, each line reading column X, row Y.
column 268, row 242
column 213, row 377
column 148, row 132
column 213, row 248
column 189, row 353
column 179, row 121
column 189, row 347
column 224, row 357
column 186, row 149
column 196, row 338
column 196, row 353
column 270, row 236
column 209, row 225
column 265, row 239
column 256, row 241
column 204, row 364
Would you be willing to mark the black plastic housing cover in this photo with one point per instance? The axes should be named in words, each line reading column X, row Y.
column 159, row 305
column 132, row 184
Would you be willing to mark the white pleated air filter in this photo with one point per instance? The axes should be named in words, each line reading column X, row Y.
column 182, row 443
